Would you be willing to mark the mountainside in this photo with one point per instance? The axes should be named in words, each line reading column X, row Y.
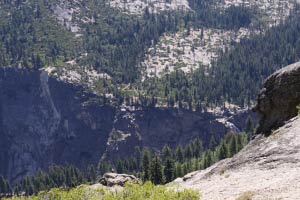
column 267, row 168
column 46, row 122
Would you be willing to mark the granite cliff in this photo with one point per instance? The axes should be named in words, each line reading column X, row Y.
column 44, row 121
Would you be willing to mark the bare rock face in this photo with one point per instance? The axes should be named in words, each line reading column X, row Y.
column 113, row 179
column 279, row 98
column 44, row 122
column 267, row 168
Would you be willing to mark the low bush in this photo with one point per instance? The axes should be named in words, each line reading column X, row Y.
column 147, row 191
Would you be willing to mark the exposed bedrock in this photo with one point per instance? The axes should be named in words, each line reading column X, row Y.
column 279, row 98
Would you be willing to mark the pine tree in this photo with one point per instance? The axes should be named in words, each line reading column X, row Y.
column 223, row 151
column 166, row 152
column 197, row 147
column 249, row 125
column 156, row 171
column 212, row 143
column 241, row 140
column 179, row 153
column 91, row 173
column 233, row 147
column 103, row 167
column 188, row 152
column 138, row 157
column 29, row 188
column 179, row 171
column 169, row 169
column 3, row 188
column 146, row 165
column 120, row 169
column 207, row 159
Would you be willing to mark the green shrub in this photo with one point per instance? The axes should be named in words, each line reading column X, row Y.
column 147, row 191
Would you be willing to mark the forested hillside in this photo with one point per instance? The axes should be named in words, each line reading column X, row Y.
column 94, row 36
column 237, row 74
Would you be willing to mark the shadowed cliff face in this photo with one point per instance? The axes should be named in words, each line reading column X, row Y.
column 155, row 127
column 43, row 121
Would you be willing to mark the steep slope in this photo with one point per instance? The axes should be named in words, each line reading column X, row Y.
column 268, row 167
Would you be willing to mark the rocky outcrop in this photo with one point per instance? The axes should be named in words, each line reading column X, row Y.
column 279, row 98
column 113, row 179
column 267, row 168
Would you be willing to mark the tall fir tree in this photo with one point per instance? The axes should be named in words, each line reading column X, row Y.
column 213, row 143
column 91, row 173
column 197, row 147
column 120, row 167
column 179, row 153
column 233, row 146
column 223, row 151
column 156, row 171
column 179, row 170
column 188, row 152
column 169, row 169
column 166, row 152
column 146, row 165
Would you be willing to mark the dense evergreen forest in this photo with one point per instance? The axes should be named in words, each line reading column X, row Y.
column 29, row 38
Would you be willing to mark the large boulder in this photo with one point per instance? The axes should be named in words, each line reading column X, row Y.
column 279, row 98
column 113, row 179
